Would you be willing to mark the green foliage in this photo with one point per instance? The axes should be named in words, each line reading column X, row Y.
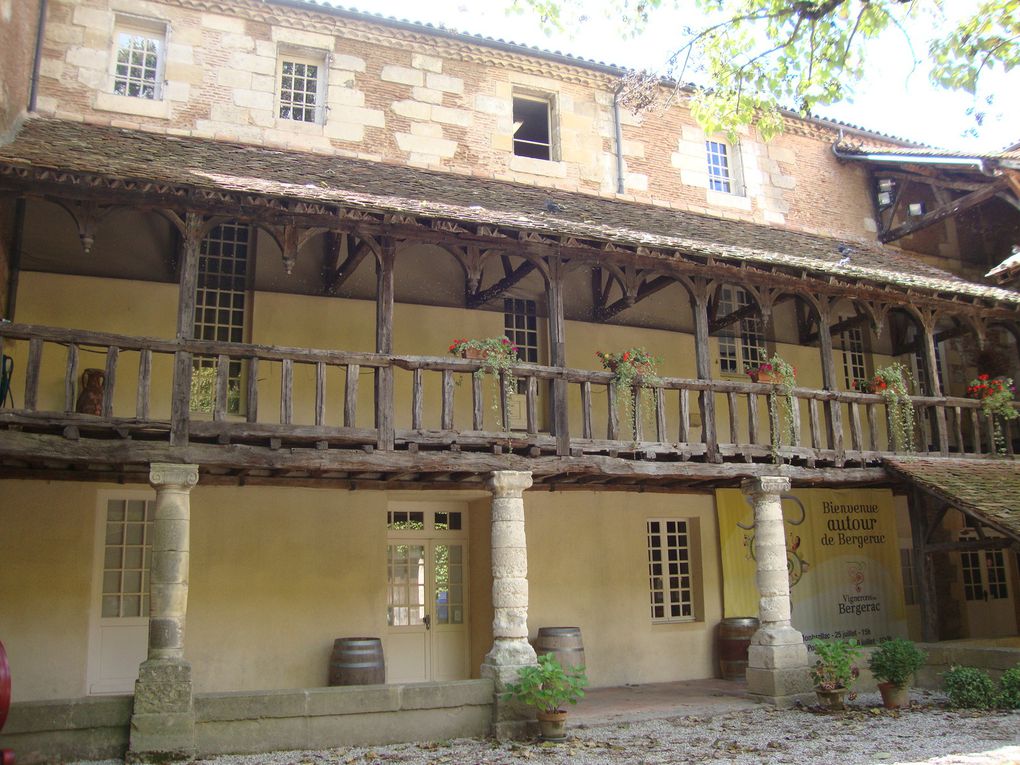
column 203, row 391
column 782, row 408
column 895, row 661
column 498, row 356
column 969, row 688
column 755, row 57
column 548, row 687
column 1009, row 689
column 632, row 368
column 835, row 666
column 892, row 382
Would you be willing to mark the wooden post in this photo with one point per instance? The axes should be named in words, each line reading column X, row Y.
column 935, row 384
column 558, row 356
column 180, row 414
column 834, row 411
column 703, row 364
column 384, row 343
column 923, row 574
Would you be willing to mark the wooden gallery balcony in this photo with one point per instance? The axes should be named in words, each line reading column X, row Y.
column 256, row 413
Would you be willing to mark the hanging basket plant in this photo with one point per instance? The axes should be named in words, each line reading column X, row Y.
column 892, row 382
column 498, row 356
column 778, row 371
column 632, row 368
column 996, row 397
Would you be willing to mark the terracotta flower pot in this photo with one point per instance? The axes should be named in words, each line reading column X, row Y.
column 894, row 696
column 834, row 700
column 764, row 377
column 552, row 725
column 473, row 353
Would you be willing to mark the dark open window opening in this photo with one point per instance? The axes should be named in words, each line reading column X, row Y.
column 531, row 129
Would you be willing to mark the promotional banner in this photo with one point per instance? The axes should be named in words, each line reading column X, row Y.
column 842, row 555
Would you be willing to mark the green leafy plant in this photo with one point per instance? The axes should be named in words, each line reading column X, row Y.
column 632, row 368
column 782, row 407
column 1009, row 689
column 895, row 661
column 548, row 687
column 498, row 356
column 203, row 391
column 835, row 667
column 969, row 688
column 996, row 397
column 892, row 382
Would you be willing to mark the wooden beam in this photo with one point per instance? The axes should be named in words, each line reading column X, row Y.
column 838, row 327
column 499, row 288
column 943, row 212
column 990, row 543
column 647, row 289
column 917, row 344
column 343, row 272
column 924, row 574
column 703, row 365
column 933, row 181
column 384, row 344
column 558, row 356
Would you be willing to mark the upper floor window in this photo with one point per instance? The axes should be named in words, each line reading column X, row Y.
column 302, row 88
column 520, row 325
column 741, row 342
column 853, row 356
column 140, row 50
column 533, row 127
column 720, row 176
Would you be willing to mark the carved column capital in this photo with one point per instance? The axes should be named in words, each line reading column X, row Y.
column 509, row 483
column 173, row 476
column 766, row 484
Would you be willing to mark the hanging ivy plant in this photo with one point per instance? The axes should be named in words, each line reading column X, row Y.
column 782, row 407
column 892, row 382
column 634, row 367
column 498, row 356
column 996, row 397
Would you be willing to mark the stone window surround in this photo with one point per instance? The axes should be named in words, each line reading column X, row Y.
column 735, row 166
column 303, row 55
column 154, row 29
column 550, row 99
column 107, row 99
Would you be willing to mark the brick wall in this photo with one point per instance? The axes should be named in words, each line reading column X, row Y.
column 18, row 20
column 398, row 95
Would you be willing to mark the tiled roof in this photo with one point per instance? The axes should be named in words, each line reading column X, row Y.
column 1010, row 155
column 986, row 488
column 382, row 187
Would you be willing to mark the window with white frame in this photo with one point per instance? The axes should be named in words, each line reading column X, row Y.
column 741, row 342
column 220, row 309
column 302, row 88
column 995, row 566
column 853, row 356
column 973, row 582
column 720, row 172
column 520, row 325
column 139, row 58
column 921, row 370
column 127, row 556
column 533, row 133
column 670, row 575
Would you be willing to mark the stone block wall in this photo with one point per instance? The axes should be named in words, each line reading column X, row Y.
column 397, row 94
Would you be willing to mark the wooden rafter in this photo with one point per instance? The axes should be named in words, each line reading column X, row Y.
column 916, row 344
column 943, row 211
column 647, row 289
column 498, row 289
column 840, row 326
column 343, row 272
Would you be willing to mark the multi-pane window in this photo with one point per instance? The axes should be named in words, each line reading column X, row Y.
column 741, row 342
column 907, row 574
column 532, row 127
column 138, row 59
column 973, row 585
column 301, row 89
column 921, row 370
column 995, row 566
column 669, row 571
column 719, row 176
column 403, row 520
column 220, row 309
column 406, row 577
column 126, row 558
column 449, row 583
column 853, row 356
column 520, row 325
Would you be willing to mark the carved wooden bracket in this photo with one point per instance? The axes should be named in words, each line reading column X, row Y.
column 87, row 217
column 290, row 239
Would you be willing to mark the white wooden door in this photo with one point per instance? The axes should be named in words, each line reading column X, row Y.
column 990, row 611
column 427, row 609
column 120, row 595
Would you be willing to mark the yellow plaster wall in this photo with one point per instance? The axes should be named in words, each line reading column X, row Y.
column 588, row 567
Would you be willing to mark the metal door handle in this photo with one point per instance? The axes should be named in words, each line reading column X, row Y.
column 428, row 622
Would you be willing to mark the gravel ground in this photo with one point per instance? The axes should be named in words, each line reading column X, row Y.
column 926, row 733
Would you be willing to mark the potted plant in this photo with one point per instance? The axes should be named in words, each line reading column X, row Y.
column 893, row 663
column 834, row 672
column 548, row 687
column 996, row 397
column 783, row 412
column 497, row 355
column 634, row 367
column 892, row 383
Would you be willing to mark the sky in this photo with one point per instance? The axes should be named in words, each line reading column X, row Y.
column 896, row 99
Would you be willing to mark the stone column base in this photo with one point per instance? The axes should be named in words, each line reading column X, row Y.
column 163, row 721
column 510, row 719
column 777, row 667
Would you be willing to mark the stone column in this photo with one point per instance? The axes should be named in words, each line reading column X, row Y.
column 510, row 648
column 163, row 721
column 777, row 670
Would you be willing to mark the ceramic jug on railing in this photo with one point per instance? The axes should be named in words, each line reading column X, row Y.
column 90, row 400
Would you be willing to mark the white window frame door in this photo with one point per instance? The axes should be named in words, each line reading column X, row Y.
column 116, row 646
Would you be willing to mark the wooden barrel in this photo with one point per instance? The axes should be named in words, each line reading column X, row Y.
column 563, row 642
column 734, row 638
column 357, row 661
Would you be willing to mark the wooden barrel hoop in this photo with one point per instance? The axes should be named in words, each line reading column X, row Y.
column 734, row 638
column 563, row 642
column 357, row 661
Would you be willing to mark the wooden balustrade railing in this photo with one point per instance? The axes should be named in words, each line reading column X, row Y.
column 152, row 388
